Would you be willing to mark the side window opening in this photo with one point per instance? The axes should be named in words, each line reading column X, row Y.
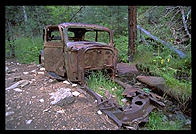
column 54, row 35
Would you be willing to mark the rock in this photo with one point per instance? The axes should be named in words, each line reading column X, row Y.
column 33, row 71
column 33, row 80
column 28, row 122
column 17, row 89
column 75, row 93
column 6, row 69
column 25, row 82
column 99, row 112
column 42, row 88
column 60, row 112
column 126, row 69
column 62, row 95
column 14, row 70
column 74, row 85
column 9, row 113
column 124, row 100
column 152, row 81
column 33, row 97
column 66, row 82
column 25, row 73
column 42, row 69
column 180, row 116
column 165, row 118
column 40, row 72
column 41, row 100
column 21, row 83
column 188, row 122
column 50, row 80
column 46, row 110
column 17, row 78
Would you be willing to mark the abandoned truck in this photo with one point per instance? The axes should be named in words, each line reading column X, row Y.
column 71, row 49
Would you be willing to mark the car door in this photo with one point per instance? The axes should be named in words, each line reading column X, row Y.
column 54, row 50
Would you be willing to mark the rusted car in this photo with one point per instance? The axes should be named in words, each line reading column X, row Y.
column 71, row 49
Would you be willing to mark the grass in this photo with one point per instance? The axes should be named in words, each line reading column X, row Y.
column 98, row 82
column 158, row 122
column 27, row 49
column 166, row 64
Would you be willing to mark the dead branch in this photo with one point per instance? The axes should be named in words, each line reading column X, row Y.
column 180, row 53
column 184, row 22
column 187, row 16
column 76, row 13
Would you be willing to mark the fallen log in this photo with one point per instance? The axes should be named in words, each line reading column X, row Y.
column 180, row 53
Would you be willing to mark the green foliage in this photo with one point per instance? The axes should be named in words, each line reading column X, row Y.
column 27, row 49
column 166, row 65
column 98, row 82
column 158, row 122
column 121, row 43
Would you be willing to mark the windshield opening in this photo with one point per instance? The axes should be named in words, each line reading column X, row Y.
column 89, row 35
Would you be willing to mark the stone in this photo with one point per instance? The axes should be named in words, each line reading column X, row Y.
column 6, row 69
column 62, row 95
column 9, row 113
column 74, row 85
column 152, row 81
column 125, row 68
column 33, row 80
column 50, row 80
column 99, row 112
column 17, row 89
column 60, row 112
column 75, row 93
column 40, row 72
column 66, row 82
column 188, row 122
column 25, row 82
column 28, row 122
column 25, row 73
column 17, row 78
column 42, row 69
column 21, row 83
column 124, row 100
column 41, row 100
column 33, row 71
column 14, row 70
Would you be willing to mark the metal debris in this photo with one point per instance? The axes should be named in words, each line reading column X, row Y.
column 127, row 116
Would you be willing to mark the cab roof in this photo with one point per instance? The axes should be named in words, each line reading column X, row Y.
column 83, row 25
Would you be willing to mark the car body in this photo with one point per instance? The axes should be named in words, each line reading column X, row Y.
column 71, row 49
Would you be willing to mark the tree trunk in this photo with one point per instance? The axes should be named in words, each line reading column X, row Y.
column 11, row 40
column 132, row 29
column 25, row 14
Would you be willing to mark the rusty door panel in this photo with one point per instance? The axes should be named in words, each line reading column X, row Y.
column 54, row 57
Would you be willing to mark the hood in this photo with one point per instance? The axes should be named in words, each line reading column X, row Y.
column 85, row 44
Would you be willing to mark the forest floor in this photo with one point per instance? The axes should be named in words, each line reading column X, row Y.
column 29, row 107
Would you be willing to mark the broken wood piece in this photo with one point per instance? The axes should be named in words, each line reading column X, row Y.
column 170, row 46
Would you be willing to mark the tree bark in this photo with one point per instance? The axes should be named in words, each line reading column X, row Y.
column 25, row 14
column 132, row 29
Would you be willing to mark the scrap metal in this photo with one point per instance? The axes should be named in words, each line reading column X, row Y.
column 132, row 115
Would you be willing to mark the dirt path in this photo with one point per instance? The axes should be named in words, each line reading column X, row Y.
column 29, row 107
